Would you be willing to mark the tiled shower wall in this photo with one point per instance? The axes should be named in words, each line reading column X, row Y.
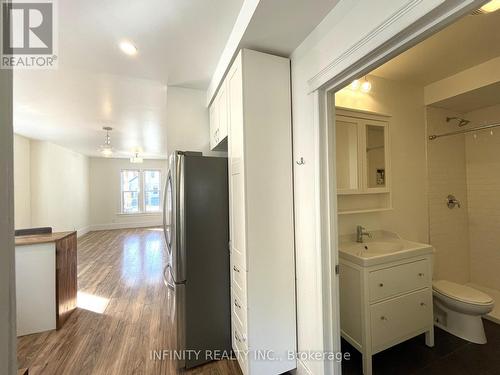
column 467, row 240
column 448, row 229
column 483, row 182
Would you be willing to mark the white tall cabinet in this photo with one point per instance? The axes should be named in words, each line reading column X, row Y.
column 263, row 315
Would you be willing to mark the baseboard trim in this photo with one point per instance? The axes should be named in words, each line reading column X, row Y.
column 111, row 226
column 80, row 232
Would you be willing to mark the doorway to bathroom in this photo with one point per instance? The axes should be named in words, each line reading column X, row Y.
column 417, row 168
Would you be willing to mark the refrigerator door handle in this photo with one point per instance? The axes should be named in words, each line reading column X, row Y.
column 179, row 257
column 167, row 283
column 165, row 210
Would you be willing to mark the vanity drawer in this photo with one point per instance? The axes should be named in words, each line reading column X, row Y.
column 240, row 349
column 400, row 318
column 399, row 279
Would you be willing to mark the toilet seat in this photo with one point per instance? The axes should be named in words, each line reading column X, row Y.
column 462, row 293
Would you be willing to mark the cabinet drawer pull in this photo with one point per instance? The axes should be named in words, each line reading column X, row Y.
column 237, row 304
column 236, row 269
column 237, row 337
column 383, row 318
column 422, row 304
column 381, row 285
column 421, row 274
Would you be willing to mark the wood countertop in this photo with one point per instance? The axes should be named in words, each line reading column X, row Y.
column 42, row 238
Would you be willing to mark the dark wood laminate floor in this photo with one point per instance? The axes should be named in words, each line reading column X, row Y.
column 122, row 268
column 450, row 356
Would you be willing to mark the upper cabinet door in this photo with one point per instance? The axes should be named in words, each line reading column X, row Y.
column 213, row 124
column 347, row 154
column 219, row 119
column 362, row 154
column 222, row 110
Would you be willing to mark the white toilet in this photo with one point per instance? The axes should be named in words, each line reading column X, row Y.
column 458, row 309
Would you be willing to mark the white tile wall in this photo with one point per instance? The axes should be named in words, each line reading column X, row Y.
column 448, row 229
column 483, row 179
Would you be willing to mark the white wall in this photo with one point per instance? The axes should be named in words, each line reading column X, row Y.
column 404, row 104
column 188, row 126
column 7, row 276
column 59, row 188
column 105, row 199
column 22, row 182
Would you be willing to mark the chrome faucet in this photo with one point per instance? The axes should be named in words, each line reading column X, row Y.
column 360, row 233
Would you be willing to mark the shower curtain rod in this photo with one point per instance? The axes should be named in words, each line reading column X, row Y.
column 490, row 126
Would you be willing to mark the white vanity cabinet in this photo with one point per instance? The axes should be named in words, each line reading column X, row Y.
column 218, row 120
column 261, row 213
column 385, row 304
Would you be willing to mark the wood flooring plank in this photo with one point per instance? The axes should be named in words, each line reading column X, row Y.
column 124, row 267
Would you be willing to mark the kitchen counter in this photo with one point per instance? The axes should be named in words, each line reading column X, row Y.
column 46, row 280
column 41, row 238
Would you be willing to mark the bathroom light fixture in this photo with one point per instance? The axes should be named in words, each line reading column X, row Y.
column 128, row 48
column 355, row 84
column 366, row 86
column 106, row 149
column 136, row 159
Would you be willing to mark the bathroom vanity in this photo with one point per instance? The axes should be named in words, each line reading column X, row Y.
column 385, row 293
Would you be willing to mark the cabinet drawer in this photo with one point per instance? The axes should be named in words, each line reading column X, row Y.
column 399, row 279
column 400, row 318
column 239, row 312
column 239, row 281
column 240, row 350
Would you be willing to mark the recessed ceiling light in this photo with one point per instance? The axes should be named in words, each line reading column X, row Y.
column 128, row 48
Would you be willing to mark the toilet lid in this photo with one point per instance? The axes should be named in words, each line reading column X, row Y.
column 461, row 292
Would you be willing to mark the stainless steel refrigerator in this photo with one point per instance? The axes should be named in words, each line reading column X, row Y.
column 196, row 226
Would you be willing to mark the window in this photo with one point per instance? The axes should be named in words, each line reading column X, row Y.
column 130, row 191
column 140, row 191
column 151, row 191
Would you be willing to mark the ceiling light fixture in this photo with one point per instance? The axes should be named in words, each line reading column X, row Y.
column 355, row 84
column 136, row 159
column 366, row 86
column 106, row 149
column 489, row 7
column 128, row 48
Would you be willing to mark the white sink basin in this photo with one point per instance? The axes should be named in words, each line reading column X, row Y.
column 383, row 247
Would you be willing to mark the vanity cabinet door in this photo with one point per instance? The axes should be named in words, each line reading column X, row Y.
column 400, row 318
column 388, row 282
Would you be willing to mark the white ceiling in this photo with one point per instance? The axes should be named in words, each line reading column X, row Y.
column 466, row 43
column 179, row 43
column 70, row 107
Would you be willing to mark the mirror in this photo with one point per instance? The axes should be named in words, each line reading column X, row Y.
column 375, row 156
column 347, row 154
